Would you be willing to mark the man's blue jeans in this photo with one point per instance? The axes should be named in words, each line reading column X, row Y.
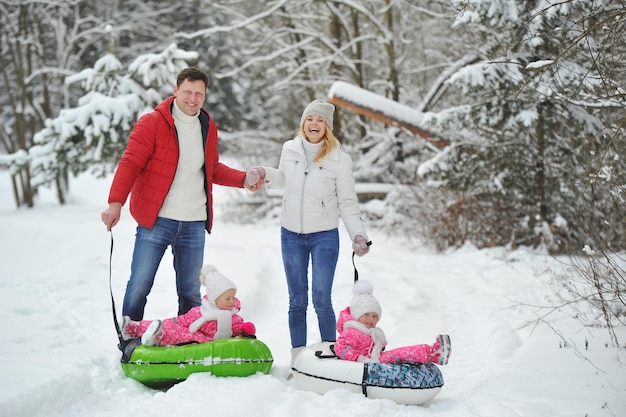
column 323, row 250
column 187, row 242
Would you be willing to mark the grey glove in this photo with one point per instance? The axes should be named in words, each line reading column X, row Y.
column 254, row 174
column 360, row 245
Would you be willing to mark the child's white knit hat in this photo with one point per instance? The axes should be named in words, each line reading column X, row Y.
column 363, row 301
column 216, row 283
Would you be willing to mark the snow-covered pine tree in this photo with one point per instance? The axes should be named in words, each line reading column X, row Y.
column 538, row 124
column 92, row 136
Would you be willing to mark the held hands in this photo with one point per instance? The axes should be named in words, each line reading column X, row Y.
column 361, row 245
column 255, row 178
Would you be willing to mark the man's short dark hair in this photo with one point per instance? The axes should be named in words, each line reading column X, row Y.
column 192, row 74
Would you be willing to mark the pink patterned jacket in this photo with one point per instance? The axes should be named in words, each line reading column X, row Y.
column 354, row 345
column 351, row 342
column 175, row 330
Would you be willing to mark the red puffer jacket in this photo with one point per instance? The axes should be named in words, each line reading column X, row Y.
column 149, row 163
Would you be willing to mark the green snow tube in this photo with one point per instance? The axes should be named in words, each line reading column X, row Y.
column 159, row 367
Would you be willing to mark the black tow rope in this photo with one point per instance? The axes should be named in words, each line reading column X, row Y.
column 333, row 355
column 356, row 273
column 117, row 325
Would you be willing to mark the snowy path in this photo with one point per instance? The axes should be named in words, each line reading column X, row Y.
column 59, row 358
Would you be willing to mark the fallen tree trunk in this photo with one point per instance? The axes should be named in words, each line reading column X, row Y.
column 382, row 109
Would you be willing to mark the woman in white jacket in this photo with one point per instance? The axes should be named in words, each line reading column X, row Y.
column 318, row 184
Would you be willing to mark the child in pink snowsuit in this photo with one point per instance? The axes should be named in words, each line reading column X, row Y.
column 361, row 341
column 216, row 318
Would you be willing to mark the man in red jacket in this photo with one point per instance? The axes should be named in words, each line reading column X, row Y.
column 169, row 167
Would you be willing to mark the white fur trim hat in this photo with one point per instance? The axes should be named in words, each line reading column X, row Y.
column 363, row 301
column 319, row 108
column 216, row 284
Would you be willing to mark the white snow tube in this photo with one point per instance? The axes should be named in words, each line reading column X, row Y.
column 317, row 369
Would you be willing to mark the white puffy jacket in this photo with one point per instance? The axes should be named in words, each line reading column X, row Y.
column 314, row 197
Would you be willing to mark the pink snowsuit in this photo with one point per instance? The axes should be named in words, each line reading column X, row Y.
column 354, row 345
column 176, row 330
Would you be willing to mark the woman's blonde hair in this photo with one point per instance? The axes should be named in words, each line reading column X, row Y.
column 330, row 144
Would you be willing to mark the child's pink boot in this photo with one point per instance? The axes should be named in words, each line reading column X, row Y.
column 128, row 328
column 152, row 334
column 441, row 349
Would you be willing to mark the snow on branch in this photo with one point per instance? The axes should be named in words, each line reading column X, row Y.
column 380, row 108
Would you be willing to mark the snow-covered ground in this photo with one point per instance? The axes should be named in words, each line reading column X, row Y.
column 58, row 353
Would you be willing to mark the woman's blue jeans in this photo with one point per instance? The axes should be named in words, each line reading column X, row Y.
column 187, row 242
column 323, row 250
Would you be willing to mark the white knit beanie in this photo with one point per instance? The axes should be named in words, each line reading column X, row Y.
column 319, row 108
column 216, row 283
column 363, row 301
